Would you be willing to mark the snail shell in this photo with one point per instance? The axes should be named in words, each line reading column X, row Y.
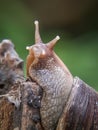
column 67, row 103
column 81, row 109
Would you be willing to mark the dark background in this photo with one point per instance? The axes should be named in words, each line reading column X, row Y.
column 76, row 21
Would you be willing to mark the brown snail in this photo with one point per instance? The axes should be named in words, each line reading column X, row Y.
column 67, row 103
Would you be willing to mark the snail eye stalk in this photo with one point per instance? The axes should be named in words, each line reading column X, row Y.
column 37, row 34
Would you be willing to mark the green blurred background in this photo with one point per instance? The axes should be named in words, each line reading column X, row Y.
column 75, row 21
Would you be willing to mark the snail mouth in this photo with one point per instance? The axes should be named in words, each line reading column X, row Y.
column 38, row 51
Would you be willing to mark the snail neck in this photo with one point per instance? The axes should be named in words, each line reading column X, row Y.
column 56, row 83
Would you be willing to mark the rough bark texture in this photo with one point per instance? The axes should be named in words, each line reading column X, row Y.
column 15, row 111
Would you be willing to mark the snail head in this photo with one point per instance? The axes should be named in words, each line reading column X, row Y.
column 39, row 49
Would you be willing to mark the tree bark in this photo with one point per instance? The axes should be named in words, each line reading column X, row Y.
column 17, row 95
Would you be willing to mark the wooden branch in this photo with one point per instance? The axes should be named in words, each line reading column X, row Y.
column 19, row 99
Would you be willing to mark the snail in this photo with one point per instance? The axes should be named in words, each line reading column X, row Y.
column 67, row 103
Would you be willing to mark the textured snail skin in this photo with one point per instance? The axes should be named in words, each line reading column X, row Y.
column 67, row 103
column 56, row 89
column 49, row 72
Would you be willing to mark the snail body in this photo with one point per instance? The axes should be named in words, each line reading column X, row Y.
column 57, row 83
column 54, row 79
